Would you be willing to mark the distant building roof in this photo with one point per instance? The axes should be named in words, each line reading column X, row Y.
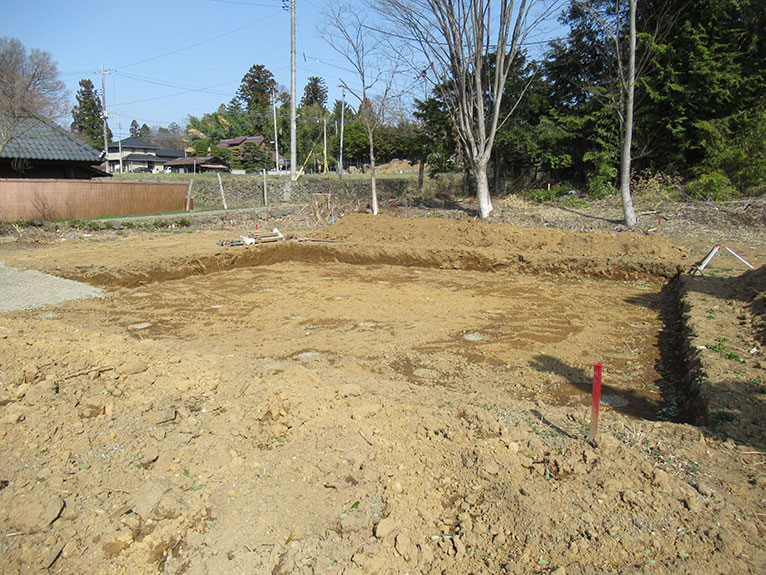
column 135, row 157
column 167, row 153
column 132, row 143
column 240, row 140
column 205, row 161
column 39, row 139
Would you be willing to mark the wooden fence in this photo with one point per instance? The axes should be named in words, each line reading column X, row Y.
column 29, row 199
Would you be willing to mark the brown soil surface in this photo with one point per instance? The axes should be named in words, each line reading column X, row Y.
column 390, row 396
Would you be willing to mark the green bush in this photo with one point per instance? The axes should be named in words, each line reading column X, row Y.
column 712, row 186
column 543, row 195
column 735, row 150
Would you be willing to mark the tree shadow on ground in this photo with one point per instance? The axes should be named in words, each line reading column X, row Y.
column 588, row 216
column 635, row 404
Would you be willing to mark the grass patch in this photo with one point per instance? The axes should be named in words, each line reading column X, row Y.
column 721, row 346
column 719, row 417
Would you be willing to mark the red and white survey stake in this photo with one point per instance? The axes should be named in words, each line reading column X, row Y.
column 597, row 367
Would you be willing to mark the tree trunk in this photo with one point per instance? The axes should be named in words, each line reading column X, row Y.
column 466, row 181
column 627, row 201
column 374, row 198
column 498, row 170
column 421, row 172
column 482, row 190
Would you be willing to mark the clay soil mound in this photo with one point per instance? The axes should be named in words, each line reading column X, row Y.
column 381, row 396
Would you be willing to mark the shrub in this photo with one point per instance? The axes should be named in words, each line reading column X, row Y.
column 658, row 186
column 712, row 186
column 541, row 195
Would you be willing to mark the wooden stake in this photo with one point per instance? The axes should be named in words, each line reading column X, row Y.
column 188, row 196
column 265, row 199
column 220, row 186
column 597, row 367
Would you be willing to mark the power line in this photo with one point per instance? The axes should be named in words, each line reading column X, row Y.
column 200, row 43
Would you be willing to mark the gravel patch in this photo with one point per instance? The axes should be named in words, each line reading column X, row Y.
column 28, row 289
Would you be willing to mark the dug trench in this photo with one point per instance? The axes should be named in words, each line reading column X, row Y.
column 387, row 397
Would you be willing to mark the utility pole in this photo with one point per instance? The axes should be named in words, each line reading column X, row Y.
column 119, row 141
column 105, row 116
column 293, row 144
column 326, row 167
column 342, row 115
column 276, row 138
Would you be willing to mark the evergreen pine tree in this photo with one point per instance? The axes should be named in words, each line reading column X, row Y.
column 87, row 121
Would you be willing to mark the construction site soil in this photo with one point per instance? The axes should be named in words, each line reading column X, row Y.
column 385, row 395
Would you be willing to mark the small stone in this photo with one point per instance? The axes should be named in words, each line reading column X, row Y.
column 459, row 546
column 118, row 544
column 690, row 501
column 385, row 527
column 49, row 558
column 92, row 407
column 134, row 366
column 491, row 468
column 34, row 512
column 41, row 392
column 704, row 490
column 405, row 547
column 426, row 555
column 150, row 455
column 13, row 414
column 559, row 571
column 350, row 390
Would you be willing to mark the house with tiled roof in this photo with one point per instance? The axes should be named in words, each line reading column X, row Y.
column 196, row 164
column 231, row 143
column 139, row 155
column 234, row 145
column 42, row 149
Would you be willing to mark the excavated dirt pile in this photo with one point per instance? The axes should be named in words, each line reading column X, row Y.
column 381, row 396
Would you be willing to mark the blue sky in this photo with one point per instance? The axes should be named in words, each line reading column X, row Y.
column 171, row 58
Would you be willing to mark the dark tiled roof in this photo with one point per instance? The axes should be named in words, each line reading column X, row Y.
column 138, row 158
column 167, row 153
column 240, row 140
column 199, row 160
column 42, row 140
column 132, row 143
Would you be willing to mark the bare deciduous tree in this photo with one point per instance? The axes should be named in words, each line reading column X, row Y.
column 376, row 70
column 29, row 86
column 629, row 87
column 456, row 37
column 625, row 65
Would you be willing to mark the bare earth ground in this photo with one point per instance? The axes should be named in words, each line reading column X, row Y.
column 396, row 395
